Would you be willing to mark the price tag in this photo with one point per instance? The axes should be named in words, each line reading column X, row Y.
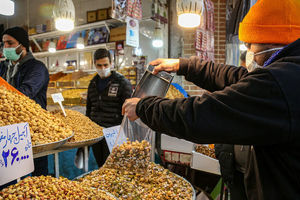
column 58, row 98
column 111, row 135
column 16, row 158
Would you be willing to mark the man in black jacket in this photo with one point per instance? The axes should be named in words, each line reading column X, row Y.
column 26, row 74
column 107, row 92
column 257, row 106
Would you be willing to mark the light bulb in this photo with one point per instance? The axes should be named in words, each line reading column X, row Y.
column 7, row 7
column 157, row 41
column 64, row 24
column 189, row 20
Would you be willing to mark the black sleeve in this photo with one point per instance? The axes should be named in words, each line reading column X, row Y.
column 253, row 111
column 208, row 75
column 34, row 80
column 88, row 104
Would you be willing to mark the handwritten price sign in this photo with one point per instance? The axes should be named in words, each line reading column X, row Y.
column 111, row 135
column 16, row 159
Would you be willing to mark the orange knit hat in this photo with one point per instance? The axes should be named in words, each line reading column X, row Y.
column 271, row 21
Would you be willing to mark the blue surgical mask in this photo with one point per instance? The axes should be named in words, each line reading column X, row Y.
column 11, row 54
column 251, row 64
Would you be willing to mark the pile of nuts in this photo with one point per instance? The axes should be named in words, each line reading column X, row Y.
column 73, row 93
column 84, row 128
column 130, row 156
column 205, row 150
column 153, row 183
column 173, row 93
column 44, row 127
column 47, row 187
column 156, row 183
column 88, row 77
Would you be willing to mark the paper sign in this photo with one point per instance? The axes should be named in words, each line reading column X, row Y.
column 132, row 32
column 57, row 97
column 111, row 135
column 16, row 158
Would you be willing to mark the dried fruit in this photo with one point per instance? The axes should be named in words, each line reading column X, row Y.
column 47, row 187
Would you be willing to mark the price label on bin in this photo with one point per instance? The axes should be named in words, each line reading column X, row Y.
column 111, row 135
column 16, row 158
column 57, row 97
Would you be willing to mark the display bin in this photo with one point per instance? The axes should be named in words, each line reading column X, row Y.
column 52, row 84
column 82, row 84
column 65, row 84
column 177, row 157
column 205, row 163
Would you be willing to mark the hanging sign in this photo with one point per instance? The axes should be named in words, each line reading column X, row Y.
column 16, row 158
column 58, row 98
column 132, row 32
column 111, row 136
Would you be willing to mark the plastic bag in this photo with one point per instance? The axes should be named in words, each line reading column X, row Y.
column 135, row 143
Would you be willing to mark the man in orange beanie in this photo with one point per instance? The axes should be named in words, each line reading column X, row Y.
column 259, row 107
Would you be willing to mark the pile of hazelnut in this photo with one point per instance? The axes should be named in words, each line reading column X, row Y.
column 84, row 128
column 44, row 127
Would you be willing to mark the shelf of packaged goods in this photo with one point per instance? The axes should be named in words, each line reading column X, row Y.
column 110, row 45
column 46, row 35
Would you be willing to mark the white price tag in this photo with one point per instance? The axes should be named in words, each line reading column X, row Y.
column 57, row 97
column 111, row 135
column 16, row 158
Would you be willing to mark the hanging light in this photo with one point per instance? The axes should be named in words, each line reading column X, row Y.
column 80, row 42
column 7, row 7
column 52, row 47
column 189, row 12
column 64, row 15
column 157, row 41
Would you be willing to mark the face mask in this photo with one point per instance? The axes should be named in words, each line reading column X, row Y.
column 104, row 72
column 10, row 53
column 250, row 63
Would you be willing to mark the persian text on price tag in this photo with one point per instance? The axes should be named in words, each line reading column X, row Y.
column 111, row 135
column 57, row 97
column 16, row 159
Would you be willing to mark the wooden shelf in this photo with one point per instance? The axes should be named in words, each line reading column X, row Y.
column 109, row 22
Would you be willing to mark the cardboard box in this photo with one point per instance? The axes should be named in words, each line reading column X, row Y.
column 177, row 157
column 174, row 144
column 205, row 163
column 91, row 16
column 101, row 14
column 117, row 34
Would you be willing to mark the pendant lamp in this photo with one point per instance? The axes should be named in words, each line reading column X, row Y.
column 189, row 12
column 157, row 41
column 64, row 15
column 7, row 7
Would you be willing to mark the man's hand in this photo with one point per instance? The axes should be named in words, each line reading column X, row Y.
column 168, row 65
column 129, row 107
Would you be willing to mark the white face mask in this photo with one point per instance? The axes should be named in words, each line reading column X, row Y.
column 103, row 72
column 251, row 64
